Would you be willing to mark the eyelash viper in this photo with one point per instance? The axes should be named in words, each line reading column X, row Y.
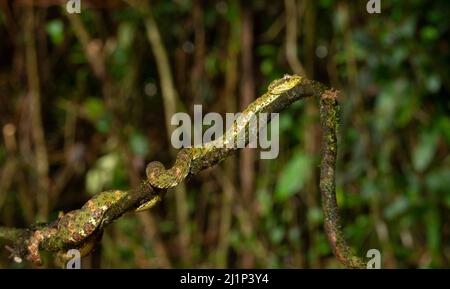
column 81, row 228
column 193, row 160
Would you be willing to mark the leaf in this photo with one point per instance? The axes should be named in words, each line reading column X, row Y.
column 266, row 50
column 315, row 215
column 212, row 64
column 95, row 111
column 93, row 108
column 55, row 29
column 102, row 174
column 433, row 83
column 444, row 127
column 293, row 176
column 94, row 181
column 429, row 33
column 139, row 144
column 326, row 3
column 438, row 180
column 425, row 150
column 286, row 122
column 276, row 235
column 266, row 66
column 398, row 207
column 265, row 201
column 433, row 231
column 126, row 35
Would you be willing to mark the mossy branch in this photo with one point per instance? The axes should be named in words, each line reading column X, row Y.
column 82, row 229
column 333, row 228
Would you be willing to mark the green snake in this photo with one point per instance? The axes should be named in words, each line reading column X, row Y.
column 81, row 228
column 193, row 160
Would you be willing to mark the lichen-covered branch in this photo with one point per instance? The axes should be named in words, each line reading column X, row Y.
column 82, row 228
column 332, row 222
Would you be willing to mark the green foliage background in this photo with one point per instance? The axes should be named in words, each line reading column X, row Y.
column 393, row 179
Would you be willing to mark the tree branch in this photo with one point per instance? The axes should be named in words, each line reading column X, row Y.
column 332, row 222
column 82, row 229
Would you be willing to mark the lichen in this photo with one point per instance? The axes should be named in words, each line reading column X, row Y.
column 333, row 228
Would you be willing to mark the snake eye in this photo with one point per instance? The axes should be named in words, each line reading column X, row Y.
column 284, row 84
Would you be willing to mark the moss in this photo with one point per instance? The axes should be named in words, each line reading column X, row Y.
column 333, row 228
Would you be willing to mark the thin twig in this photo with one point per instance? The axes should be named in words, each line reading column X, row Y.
column 41, row 157
column 291, row 37
column 170, row 99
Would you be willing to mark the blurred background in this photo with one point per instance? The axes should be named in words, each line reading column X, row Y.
column 85, row 101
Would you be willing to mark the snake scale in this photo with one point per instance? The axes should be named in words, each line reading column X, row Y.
column 82, row 228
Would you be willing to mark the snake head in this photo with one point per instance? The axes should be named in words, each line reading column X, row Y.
column 284, row 84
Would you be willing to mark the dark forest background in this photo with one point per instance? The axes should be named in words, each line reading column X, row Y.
column 85, row 101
